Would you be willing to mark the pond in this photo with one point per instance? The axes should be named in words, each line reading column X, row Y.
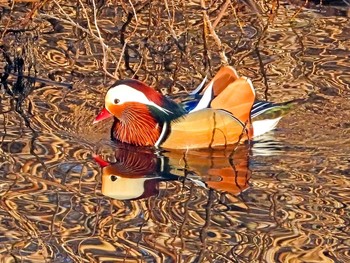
column 70, row 194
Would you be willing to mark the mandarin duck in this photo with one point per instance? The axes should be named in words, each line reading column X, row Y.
column 137, row 171
column 223, row 112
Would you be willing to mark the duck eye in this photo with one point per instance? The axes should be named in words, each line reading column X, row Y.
column 113, row 178
column 116, row 101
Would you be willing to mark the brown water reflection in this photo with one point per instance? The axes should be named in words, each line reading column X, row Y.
column 292, row 204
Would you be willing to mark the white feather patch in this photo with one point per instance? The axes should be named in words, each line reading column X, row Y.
column 250, row 84
column 161, row 137
column 125, row 93
column 206, row 99
column 263, row 126
column 200, row 87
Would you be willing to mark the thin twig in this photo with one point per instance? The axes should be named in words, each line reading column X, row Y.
column 221, row 14
column 103, row 45
column 71, row 22
column 207, row 23
column 120, row 58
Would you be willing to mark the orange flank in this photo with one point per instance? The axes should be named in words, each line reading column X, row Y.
column 204, row 129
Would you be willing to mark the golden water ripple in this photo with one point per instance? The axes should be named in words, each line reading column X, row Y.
column 295, row 205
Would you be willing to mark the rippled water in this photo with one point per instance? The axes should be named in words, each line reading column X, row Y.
column 284, row 198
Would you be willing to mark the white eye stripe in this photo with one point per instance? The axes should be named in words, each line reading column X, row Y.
column 125, row 93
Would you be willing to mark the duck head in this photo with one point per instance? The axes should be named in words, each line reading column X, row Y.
column 140, row 112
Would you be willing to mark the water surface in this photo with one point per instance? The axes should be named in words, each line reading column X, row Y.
column 284, row 198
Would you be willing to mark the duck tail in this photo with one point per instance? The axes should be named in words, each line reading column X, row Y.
column 269, row 110
column 266, row 115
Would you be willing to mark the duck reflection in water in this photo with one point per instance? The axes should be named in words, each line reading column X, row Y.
column 137, row 172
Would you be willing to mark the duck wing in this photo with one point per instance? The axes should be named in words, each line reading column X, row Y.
column 237, row 98
column 205, row 128
column 225, row 76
